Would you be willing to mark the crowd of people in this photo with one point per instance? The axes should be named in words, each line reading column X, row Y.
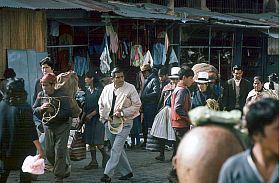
column 159, row 108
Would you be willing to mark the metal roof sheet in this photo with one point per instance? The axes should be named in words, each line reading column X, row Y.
column 87, row 5
column 268, row 18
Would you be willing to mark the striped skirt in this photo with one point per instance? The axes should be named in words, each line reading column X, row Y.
column 161, row 127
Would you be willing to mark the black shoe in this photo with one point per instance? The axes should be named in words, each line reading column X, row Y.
column 126, row 177
column 160, row 158
column 106, row 179
column 91, row 165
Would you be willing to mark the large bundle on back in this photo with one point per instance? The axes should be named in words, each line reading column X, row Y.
column 68, row 83
column 204, row 67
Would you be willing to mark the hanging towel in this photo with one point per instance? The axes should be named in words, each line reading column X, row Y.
column 105, row 58
column 136, row 57
column 173, row 57
column 167, row 43
column 148, row 58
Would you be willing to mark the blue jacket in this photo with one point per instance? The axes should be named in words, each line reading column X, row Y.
column 151, row 90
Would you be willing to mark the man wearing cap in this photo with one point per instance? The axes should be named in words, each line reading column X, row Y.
column 149, row 98
column 236, row 90
column 203, row 92
column 180, row 106
column 53, row 108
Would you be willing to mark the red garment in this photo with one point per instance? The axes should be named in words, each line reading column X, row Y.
column 179, row 121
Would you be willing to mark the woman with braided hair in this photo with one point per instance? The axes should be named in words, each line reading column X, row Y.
column 18, row 136
column 54, row 109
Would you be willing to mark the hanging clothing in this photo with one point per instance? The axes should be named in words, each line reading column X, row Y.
column 81, row 66
column 173, row 57
column 54, row 29
column 148, row 59
column 167, row 43
column 105, row 58
column 159, row 54
column 136, row 57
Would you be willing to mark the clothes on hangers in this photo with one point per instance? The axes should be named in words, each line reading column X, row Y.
column 136, row 57
column 148, row 58
column 159, row 54
column 105, row 58
column 173, row 57
column 81, row 66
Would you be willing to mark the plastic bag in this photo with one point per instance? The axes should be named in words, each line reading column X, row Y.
column 33, row 165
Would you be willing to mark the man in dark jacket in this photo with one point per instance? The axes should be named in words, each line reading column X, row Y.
column 236, row 90
column 149, row 98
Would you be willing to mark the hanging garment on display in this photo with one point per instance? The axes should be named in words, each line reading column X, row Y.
column 167, row 43
column 54, row 28
column 173, row 57
column 105, row 58
column 136, row 57
column 81, row 66
column 148, row 59
column 159, row 54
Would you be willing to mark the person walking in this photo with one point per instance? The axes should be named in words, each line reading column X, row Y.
column 149, row 97
column 94, row 131
column 236, row 90
column 119, row 101
column 18, row 136
column 260, row 162
column 180, row 106
column 54, row 109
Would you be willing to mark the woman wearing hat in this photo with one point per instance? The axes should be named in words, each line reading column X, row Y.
column 203, row 92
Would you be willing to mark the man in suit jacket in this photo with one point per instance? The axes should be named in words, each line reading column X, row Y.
column 236, row 90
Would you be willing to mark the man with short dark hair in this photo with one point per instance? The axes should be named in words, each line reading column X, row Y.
column 261, row 162
column 47, row 66
column 236, row 90
column 180, row 106
column 149, row 97
column 119, row 101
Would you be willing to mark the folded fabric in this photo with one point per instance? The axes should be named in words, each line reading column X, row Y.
column 33, row 165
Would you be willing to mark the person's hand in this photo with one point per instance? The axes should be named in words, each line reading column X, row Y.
column 41, row 153
column 87, row 118
column 46, row 107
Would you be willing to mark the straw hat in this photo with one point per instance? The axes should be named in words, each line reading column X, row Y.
column 145, row 67
column 174, row 73
column 202, row 77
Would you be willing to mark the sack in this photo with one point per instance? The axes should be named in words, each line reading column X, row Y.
column 33, row 165
column 68, row 83
column 77, row 149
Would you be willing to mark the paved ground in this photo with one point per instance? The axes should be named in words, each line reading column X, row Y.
column 145, row 168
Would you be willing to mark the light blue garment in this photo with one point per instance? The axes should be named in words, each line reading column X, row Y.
column 118, row 158
column 173, row 57
column 81, row 66
column 159, row 54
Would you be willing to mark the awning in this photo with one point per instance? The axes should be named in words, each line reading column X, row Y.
column 80, row 22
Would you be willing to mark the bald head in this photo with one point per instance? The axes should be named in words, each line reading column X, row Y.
column 202, row 152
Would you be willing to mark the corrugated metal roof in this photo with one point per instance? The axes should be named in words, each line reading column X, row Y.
column 87, row 5
column 269, row 18
column 142, row 11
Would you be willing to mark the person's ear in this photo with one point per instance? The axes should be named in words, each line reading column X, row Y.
column 174, row 163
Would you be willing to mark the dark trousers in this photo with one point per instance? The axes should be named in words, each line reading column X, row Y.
column 24, row 177
column 179, row 133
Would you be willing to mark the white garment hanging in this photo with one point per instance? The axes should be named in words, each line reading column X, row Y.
column 148, row 58
column 105, row 60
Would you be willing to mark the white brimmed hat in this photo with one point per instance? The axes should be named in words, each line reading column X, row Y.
column 174, row 73
column 202, row 77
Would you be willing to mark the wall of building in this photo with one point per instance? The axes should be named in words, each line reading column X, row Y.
column 21, row 29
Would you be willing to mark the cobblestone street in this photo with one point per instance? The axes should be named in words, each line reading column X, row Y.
column 145, row 169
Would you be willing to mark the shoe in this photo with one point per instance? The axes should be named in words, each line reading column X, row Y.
column 105, row 160
column 106, row 179
column 126, row 177
column 160, row 158
column 172, row 177
column 91, row 165
column 58, row 180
